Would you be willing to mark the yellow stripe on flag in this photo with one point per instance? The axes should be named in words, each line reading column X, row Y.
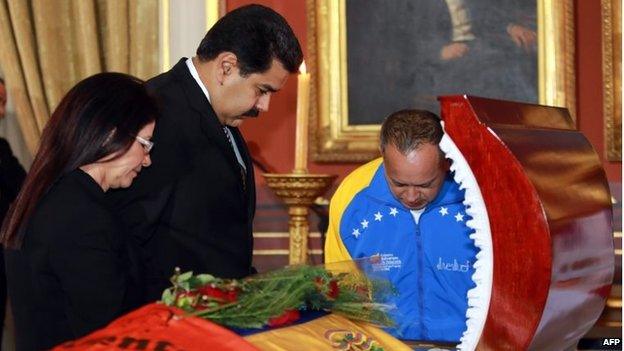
column 331, row 332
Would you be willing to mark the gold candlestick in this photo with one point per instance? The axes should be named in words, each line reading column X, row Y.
column 298, row 191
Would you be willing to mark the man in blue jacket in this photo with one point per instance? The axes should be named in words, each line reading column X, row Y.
column 407, row 211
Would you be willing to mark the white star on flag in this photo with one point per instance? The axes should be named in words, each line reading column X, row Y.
column 459, row 217
column 443, row 211
column 364, row 224
column 356, row 233
column 393, row 211
column 378, row 216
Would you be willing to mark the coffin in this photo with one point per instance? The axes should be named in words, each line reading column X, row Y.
column 541, row 210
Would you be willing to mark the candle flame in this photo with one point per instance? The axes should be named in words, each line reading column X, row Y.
column 302, row 68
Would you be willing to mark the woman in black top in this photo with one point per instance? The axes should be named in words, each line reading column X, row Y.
column 70, row 267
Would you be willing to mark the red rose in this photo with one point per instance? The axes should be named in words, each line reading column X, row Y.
column 333, row 289
column 211, row 292
column 232, row 296
column 200, row 307
column 288, row 317
column 219, row 294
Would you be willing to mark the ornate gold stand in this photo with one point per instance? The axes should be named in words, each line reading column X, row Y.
column 298, row 191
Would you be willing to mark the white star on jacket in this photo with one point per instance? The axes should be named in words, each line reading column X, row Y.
column 443, row 211
column 364, row 224
column 393, row 211
column 356, row 233
column 378, row 216
column 459, row 217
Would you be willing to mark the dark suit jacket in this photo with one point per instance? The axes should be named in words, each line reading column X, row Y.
column 72, row 274
column 189, row 208
column 11, row 177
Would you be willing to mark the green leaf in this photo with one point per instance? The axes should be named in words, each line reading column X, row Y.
column 204, row 278
column 168, row 297
column 186, row 286
column 184, row 276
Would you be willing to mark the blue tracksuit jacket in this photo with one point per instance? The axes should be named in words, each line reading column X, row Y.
column 430, row 263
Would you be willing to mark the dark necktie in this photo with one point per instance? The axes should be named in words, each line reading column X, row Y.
column 240, row 167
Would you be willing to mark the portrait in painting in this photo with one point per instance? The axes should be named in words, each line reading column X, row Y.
column 405, row 53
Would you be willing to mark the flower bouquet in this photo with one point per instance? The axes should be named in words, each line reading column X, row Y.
column 276, row 298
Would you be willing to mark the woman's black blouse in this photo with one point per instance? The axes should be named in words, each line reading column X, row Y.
column 75, row 271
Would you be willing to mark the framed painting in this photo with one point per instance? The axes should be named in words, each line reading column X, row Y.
column 612, row 76
column 370, row 58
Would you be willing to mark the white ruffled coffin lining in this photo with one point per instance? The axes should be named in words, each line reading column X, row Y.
column 479, row 296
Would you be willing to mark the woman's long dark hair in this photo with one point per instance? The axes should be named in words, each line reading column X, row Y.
column 98, row 117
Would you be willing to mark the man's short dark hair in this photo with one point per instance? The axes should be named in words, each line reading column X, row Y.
column 256, row 35
column 408, row 129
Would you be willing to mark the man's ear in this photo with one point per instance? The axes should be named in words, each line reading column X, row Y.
column 445, row 163
column 226, row 65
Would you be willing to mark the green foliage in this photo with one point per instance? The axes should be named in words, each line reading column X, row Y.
column 253, row 301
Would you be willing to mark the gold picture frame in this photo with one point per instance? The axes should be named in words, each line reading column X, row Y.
column 612, row 77
column 332, row 139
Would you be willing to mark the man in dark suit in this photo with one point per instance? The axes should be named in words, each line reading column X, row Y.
column 12, row 175
column 194, row 207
